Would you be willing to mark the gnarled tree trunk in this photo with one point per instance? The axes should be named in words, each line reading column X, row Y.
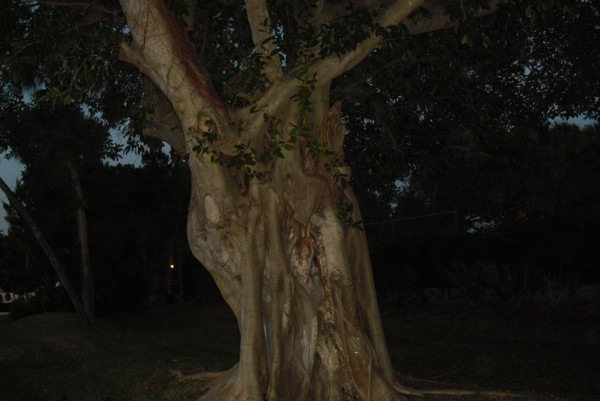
column 296, row 275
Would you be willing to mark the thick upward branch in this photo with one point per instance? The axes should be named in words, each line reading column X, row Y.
column 333, row 66
column 260, row 25
column 161, row 51
column 164, row 125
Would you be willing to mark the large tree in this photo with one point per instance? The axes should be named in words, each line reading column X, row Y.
column 243, row 88
column 271, row 215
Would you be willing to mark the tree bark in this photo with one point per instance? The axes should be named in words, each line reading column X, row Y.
column 58, row 267
column 297, row 278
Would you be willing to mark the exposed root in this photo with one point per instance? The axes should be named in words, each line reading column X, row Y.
column 451, row 391
column 407, row 390
column 498, row 394
column 200, row 376
column 211, row 377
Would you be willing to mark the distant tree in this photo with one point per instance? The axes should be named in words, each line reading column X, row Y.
column 136, row 219
column 51, row 143
column 527, row 209
column 441, row 146
column 43, row 242
column 435, row 133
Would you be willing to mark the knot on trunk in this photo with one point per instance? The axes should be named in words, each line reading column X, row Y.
column 212, row 210
column 333, row 131
column 303, row 254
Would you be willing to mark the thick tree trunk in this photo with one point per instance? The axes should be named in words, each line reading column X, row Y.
column 296, row 276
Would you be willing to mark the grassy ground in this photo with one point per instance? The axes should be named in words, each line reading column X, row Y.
column 50, row 357
column 542, row 353
column 54, row 357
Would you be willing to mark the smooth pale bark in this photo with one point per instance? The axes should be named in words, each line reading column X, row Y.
column 298, row 280
column 41, row 239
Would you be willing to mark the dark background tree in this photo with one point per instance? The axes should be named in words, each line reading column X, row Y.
column 133, row 228
column 52, row 142
column 457, row 145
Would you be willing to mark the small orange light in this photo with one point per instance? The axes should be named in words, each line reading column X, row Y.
column 171, row 266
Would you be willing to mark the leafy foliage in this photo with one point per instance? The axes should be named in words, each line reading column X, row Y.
column 459, row 134
column 66, row 55
column 454, row 121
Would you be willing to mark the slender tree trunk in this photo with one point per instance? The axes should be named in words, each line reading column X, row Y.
column 87, row 284
column 178, row 233
column 39, row 236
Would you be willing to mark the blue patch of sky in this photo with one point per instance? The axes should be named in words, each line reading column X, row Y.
column 10, row 171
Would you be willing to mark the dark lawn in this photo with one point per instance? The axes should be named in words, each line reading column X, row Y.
column 544, row 354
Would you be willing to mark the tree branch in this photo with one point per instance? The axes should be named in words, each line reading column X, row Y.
column 397, row 12
column 333, row 66
column 129, row 53
column 260, row 25
column 161, row 50
column 165, row 125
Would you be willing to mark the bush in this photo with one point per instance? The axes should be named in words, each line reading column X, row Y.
column 26, row 305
